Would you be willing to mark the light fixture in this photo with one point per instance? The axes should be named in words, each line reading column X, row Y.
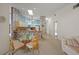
column 34, row 8
column 30, row 12
column 47, row 18
column 22, row 8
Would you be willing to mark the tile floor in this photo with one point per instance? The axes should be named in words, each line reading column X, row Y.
column 47, row 46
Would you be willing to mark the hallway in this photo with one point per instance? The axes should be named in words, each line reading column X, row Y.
column 50, row 47
column 46, row 47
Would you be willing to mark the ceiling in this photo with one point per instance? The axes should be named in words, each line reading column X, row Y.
column 40, row 9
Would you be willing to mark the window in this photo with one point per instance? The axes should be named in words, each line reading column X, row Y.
column 56, row 27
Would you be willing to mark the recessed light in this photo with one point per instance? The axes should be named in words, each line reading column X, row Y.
column 34, row 8
column 30, row 12
column 47, row 18
column 22, row 8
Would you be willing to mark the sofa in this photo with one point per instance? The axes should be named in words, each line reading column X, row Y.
column 70, row 46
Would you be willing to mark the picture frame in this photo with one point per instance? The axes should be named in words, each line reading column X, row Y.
column 2, row 19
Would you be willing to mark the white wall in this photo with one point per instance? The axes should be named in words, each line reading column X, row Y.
column 68, row 19
column 4, row 28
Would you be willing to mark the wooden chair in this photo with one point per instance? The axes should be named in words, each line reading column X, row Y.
column 34, row 44
column 14, row 46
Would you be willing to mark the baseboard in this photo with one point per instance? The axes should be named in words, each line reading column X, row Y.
column 6, row 53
